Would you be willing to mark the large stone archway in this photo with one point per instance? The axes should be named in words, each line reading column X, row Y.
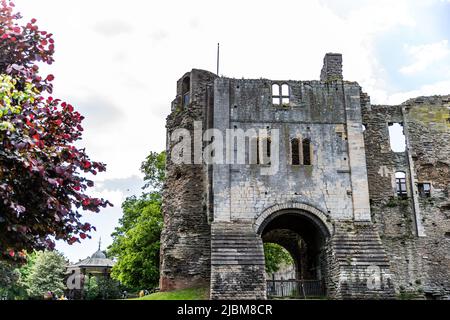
column 237, row 254
column 344, row 255
column 308, row 211
column 304, row 231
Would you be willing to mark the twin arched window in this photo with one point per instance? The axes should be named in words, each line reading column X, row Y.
column 303, row 157
column 260, row 151
column 280, row 94
column 301, row 151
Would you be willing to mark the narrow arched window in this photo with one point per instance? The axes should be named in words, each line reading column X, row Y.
column 295, row 152
column 186, row 91
column 285, row 95
column 276, row 94
column 306, row 148
column 266, row 146
column 260, row 149
column 254, row 150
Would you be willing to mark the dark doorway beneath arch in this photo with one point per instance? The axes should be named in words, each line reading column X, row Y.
column 304, row 236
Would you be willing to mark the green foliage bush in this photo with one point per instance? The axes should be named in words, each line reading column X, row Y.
column 276, row 256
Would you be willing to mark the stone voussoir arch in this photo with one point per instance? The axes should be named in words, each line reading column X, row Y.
column 313, row 212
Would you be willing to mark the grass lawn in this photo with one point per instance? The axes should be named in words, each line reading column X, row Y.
column 187, row 294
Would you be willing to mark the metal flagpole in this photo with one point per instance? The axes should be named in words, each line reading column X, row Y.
column 218, row 58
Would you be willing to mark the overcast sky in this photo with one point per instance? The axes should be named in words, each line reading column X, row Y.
column 118, row 63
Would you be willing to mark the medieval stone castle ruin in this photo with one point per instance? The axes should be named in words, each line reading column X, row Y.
column 365, row 220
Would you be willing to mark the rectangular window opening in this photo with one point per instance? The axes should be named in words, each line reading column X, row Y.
column 186, row 99
column 307, row 161
column 295, row 150
column 400, row 183
column 397, row 137
column 424, row 190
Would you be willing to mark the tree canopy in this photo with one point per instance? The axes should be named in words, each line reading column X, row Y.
column 13, row 278
column 42, row 173
column 46, row 274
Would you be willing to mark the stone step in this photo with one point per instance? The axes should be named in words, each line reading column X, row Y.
column 378, row 263
column 234, row 255
column 234, row 246
column 242, row 249
column 237, row 262
column 244, row 228
column 358, row 251
column 231, row 244
column 233, row 236
column 236, row 240
column 360, row 241
column 361, row 258
column 361, row 245
column 238, row 254
column 357, row 241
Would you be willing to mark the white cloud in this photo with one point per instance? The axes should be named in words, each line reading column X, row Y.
column 424, row 56
column 438, row 88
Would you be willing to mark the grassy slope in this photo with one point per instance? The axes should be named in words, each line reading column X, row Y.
column 187, row 294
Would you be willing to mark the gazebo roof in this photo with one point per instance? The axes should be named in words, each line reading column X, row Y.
column 98, row 259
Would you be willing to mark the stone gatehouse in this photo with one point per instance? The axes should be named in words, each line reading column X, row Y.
column 368, row 221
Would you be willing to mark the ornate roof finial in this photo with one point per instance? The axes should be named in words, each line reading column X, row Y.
column 99, row 243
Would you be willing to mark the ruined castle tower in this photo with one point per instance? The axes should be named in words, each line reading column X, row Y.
column 356, row 216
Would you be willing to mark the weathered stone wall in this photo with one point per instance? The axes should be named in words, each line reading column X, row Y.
column 412, row 230
column 186, row 238
column 317, row 112
column 237, row 262
column 361, row 266
column 332, row 67
column 213, row 213
column 328, row 113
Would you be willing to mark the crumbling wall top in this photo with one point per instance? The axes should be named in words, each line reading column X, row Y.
column 332, row 67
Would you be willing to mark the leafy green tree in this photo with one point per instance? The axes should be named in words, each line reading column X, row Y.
column 102, row 288
column 136, row 241
column 154, row 169
column 276, row 256
column 91, row 288
column 13, row 278
column 46, row 274
column 108, row 288
column 9, row 279
column 25, row 269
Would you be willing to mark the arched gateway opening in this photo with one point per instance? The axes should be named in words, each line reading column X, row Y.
column 304, row 235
